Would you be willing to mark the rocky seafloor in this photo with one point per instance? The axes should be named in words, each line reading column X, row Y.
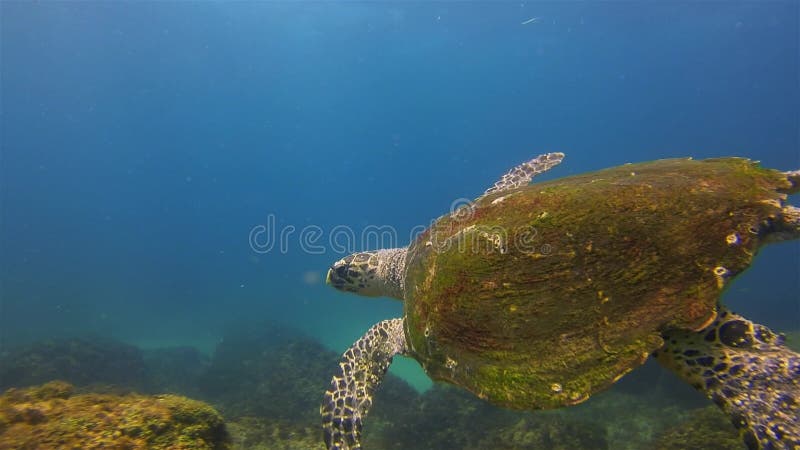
column 262, row 387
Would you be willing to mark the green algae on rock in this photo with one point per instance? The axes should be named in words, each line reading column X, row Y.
column 258, row 433
column 80, row 361
column 270, row 371
column 447, row 418
column 705, row 428
column 54, row 416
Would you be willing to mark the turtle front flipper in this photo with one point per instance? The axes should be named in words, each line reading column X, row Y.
column 360, row 372
column 523, row 174
column 747, row 371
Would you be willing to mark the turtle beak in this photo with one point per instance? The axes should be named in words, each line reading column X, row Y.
column 338, row 276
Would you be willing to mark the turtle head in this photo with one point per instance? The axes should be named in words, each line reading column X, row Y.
column 372, row 274
column 356, row 273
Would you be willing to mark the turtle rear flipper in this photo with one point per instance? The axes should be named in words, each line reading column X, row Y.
column 360, row 372
column 747, row 371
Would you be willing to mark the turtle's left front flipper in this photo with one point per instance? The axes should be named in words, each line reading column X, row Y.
column 747, row 371
column 360, row 372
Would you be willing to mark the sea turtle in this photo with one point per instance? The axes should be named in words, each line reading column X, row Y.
column 537, row 296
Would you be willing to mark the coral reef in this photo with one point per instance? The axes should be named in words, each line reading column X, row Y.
column 53, row 416
column 448, row 418
column 268, row 381
column 657, row 386
column 176, row 370
column 549, row 431
column 707, row 428
column 80, row 361
column 271, row 372
column 630, row 421
column 255, row 433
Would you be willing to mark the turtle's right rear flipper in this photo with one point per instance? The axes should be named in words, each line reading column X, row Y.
column 747, row 371
column 360, row 372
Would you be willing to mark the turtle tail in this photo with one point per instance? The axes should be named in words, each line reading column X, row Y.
column 360, row 372
column 746, row 370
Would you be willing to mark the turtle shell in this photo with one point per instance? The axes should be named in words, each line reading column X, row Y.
column 541, row 296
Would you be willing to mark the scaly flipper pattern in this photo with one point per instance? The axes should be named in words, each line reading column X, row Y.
column 786, row 227
column 791, row 221
column 747, row 371
column 360, row 372
column 523, row 174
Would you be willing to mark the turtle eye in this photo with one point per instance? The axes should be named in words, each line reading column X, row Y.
column 736, row 333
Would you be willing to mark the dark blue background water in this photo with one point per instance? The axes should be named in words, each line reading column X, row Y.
column 141, row 142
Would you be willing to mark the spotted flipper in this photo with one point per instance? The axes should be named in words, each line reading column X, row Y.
column 789, row 226
column 523, row 174
column 747, row 371
column 360, row 372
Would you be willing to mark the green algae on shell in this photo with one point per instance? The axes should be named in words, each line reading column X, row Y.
column 534, row 298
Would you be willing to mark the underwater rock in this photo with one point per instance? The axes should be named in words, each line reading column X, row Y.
column 393, row 416
column 80, row 361
column 630, row 421
column 256, row 433
column 270, row 372
column 660, row 387
column 53, row 416
column 277, row 374
column 550, row 431
column 446, row 418
column 176, row 369
column 706, row 428
column 449, row 418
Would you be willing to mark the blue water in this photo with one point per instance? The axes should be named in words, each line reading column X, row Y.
column 142, row 142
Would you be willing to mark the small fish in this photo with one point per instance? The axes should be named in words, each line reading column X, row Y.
column 531, row 20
